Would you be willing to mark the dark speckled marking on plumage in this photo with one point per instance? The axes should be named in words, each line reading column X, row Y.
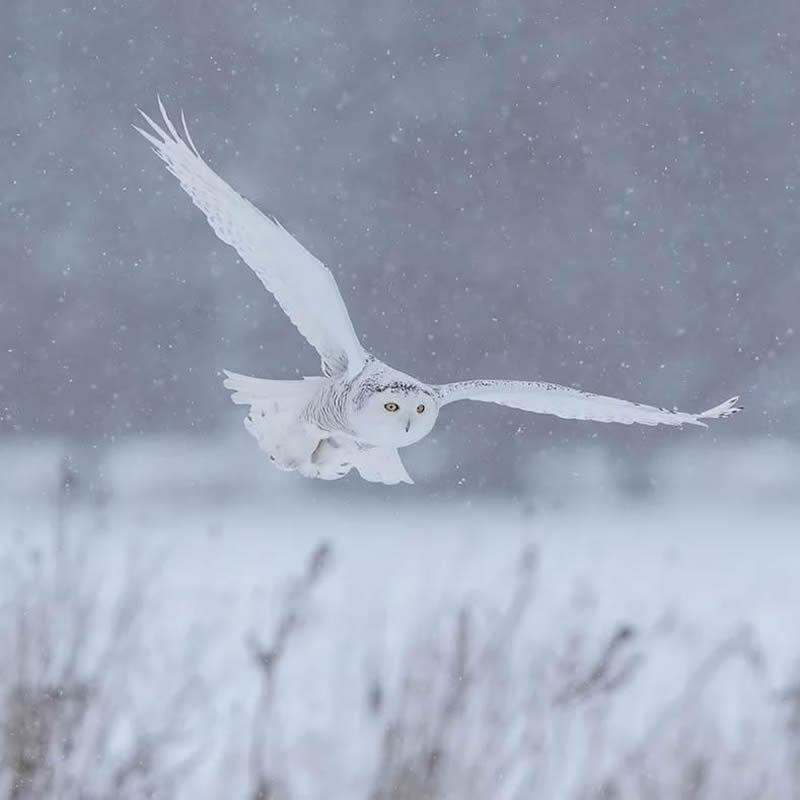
column 330, row 409
column 377, row 377
column 399, row 386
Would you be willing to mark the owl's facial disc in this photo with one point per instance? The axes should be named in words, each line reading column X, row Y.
column 397, row 415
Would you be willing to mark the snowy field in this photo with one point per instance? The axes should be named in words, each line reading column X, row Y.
column 173, row 629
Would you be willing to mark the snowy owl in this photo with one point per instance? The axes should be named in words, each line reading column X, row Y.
column 360, row 411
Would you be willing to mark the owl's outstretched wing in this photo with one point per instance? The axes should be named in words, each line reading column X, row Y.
column 561, row 401
column 302, row 285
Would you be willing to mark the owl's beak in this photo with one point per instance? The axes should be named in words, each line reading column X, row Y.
column 408, row 424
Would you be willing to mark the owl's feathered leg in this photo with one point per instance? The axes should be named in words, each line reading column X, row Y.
column 330, row 460
column 335, row 457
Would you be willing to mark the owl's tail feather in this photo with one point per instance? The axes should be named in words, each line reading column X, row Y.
column 274, row 418
column 264, row 394
column 381, row 465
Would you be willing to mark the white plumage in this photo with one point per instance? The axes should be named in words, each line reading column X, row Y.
column 362, row 410
column 301, row 284
column 562, row 401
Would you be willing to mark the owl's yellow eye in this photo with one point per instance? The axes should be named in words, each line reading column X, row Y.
column 391, row 406
column 420, row 408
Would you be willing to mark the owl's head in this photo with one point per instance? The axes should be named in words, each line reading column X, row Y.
column 396, row 413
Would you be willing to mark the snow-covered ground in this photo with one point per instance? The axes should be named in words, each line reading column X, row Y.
column 595, row 641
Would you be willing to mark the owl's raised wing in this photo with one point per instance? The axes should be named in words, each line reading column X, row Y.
column 302, row 285
column 567, row 403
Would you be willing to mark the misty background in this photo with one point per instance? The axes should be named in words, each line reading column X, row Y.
column 599, row 194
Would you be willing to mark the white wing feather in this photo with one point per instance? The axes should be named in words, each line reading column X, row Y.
column 305, row 289
column 567, row 403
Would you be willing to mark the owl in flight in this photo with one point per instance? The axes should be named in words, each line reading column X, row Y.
column 360, row 411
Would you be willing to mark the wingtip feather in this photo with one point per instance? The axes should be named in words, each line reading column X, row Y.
column 723, row 410
column 189, row 135
column 167, row 121
column 155, row 126
column 149, row 136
